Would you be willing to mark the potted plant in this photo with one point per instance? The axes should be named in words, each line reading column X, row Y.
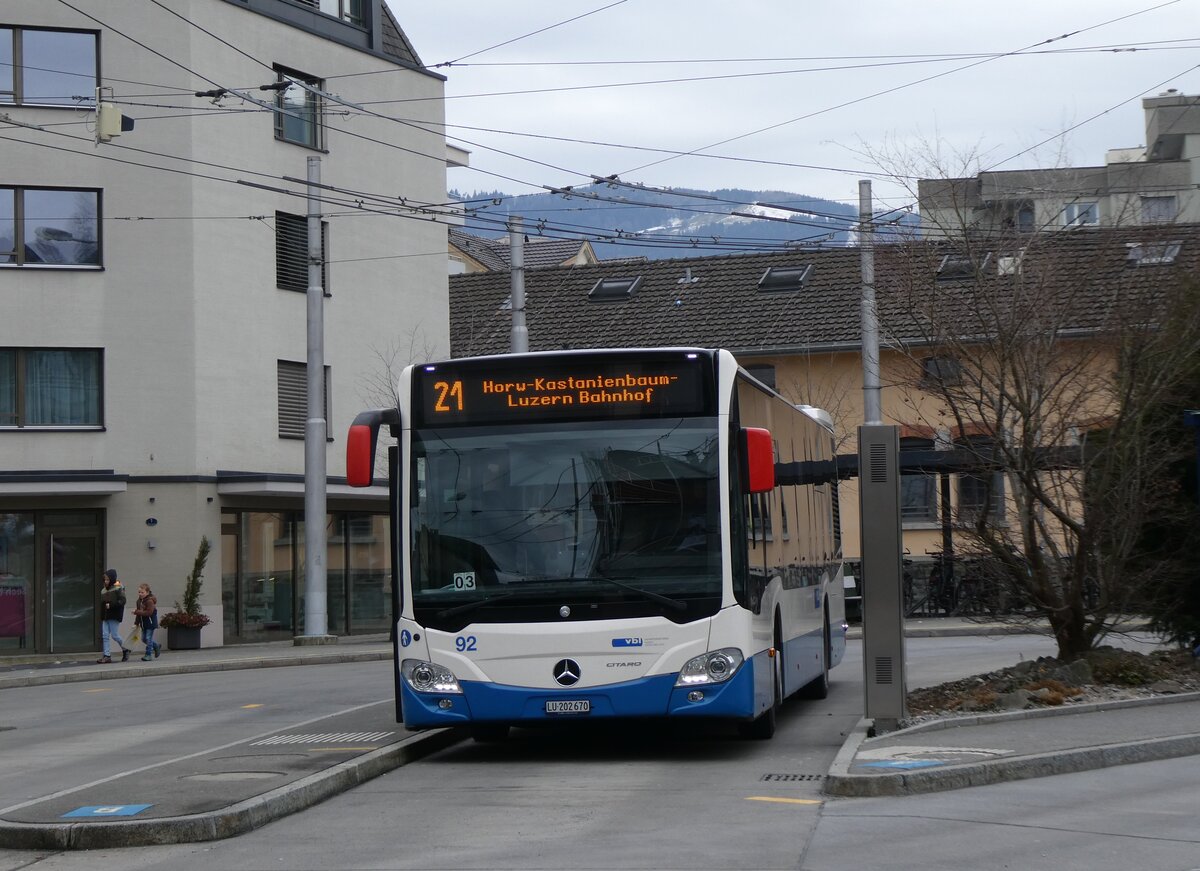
column 183, row 625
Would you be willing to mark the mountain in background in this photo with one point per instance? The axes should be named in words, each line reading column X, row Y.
column 656, row 225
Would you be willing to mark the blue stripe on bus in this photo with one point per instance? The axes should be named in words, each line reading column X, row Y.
column 655, row 696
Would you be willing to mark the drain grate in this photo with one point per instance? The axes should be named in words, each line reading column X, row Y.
column 792, row 778
column 322, row 738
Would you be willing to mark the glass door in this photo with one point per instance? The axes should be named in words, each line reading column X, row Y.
column 71, row 581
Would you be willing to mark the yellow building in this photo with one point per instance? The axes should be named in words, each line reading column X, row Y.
column 794, row 320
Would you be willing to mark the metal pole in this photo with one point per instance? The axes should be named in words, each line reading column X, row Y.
column 516, row 251
column 872, row 406
column 315, row 607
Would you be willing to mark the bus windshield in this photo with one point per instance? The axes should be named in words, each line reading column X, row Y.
column 621, row 517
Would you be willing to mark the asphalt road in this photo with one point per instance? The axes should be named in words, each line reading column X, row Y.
column 672, row 797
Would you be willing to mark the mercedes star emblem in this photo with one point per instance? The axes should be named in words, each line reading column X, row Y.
column 566, row 672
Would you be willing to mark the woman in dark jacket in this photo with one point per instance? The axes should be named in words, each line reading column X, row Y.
column 146, row 614
column 112, row 612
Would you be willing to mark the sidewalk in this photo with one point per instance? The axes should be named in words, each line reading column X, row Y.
column 42, row 669
column 992, row 748
column 226, row 791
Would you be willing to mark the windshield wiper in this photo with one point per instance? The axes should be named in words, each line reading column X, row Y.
column 471, row 606
column 674, row 604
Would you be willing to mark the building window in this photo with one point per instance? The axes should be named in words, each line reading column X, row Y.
column 956, row 267
column 1152, row 253
column 49, row 227
column 939, row 371
column 1081, row 214
column 614, row 289
column 1159, row 210
column 980, row 493
column 780, row 278
column 293, row 398
column 298, row 110
column 1018, row 216
column 347, row 10
column 291, row 253
column 764, row 372
column 47, row 67
column 51, row 387
column 918, row 490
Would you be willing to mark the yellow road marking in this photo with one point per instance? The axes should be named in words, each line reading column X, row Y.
column 101, row 690
column 252, row 706
column 783, row 800
column 337, row 749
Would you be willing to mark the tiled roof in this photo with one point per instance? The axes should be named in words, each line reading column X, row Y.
column 715, row 301
column 395, row 43
column 494, row 253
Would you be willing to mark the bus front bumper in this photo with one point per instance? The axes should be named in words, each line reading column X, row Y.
column 655, row 696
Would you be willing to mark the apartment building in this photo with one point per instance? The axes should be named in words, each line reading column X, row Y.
column 154, row 330
column 1154, row 183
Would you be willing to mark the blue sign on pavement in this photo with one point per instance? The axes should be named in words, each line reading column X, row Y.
column 904, row 763
column 108, row 810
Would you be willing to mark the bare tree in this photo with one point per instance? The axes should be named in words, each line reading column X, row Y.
column 379, row 387
column 1047, row 359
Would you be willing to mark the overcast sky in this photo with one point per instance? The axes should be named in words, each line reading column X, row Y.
column 843, row 98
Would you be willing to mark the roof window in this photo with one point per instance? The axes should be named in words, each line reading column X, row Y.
column 614, row 289
column 1010, row 264
column 955, row 267
column 1152, row 253
column 781, row 278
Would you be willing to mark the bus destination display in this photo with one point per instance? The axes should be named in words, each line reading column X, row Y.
column 559, row 390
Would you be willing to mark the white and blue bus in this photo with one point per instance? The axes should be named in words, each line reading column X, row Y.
column 602, row 534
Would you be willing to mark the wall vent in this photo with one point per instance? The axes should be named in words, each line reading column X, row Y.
column 883, row 670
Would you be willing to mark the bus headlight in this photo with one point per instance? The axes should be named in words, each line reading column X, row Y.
column 427, row 677
column 716, row 666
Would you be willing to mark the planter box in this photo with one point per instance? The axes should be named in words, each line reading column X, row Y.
column 183, row 638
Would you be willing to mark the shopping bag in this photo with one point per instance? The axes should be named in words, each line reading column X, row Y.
column 134, row 635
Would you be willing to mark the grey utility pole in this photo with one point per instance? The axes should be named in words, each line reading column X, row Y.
column 881, row 543
column 872, row 406
column 316, row 624
column 516, row 253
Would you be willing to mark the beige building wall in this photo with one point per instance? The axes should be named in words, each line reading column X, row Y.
column 186, row 307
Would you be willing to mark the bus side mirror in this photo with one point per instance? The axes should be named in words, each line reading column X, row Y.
column 361, row 442
column 758, row 452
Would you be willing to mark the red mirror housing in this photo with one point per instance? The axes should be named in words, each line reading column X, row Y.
column 360, row 455
column 361, row 441
column 759, row 452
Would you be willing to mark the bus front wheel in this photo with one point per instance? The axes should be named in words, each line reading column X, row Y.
column 763, row 727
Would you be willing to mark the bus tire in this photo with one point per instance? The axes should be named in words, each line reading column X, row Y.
column 489, row 733
column 762, row 727
column 818, row 687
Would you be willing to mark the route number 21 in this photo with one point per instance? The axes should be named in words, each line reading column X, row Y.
column 448, row 392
